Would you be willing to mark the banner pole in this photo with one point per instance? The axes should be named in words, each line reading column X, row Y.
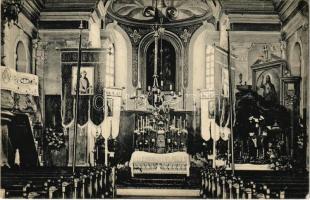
column 76, row 111
column 231, row 104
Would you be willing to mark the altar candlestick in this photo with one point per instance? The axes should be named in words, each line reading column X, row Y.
column 181, row 122
column 142, row 124
column 174, row 122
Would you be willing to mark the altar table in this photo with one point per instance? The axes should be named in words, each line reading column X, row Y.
column 142, row 162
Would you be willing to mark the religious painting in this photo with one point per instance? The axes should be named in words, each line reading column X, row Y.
column 267, row 80
column 166, row 65
column 268, row 85
column 86, row 80
column 110, row 107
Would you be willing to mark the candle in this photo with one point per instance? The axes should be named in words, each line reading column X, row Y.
column 170, row 86
column 139, row 85
column 162, row 83
column 181, row 122
column 141, row 122
column 149, row 88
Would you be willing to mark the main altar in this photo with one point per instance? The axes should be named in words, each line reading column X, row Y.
column 160, row 141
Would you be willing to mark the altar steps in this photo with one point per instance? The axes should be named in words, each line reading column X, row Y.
column 159, row 186
column 147, row 193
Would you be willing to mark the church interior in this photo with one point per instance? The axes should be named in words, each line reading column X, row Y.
column 155, row 99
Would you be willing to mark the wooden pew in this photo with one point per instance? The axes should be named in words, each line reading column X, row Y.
column 52, row 184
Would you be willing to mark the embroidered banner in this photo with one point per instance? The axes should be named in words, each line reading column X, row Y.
column 91, row 86
column 113, row 103
column 18, row 82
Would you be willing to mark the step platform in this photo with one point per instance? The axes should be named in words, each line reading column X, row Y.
column 157, row 193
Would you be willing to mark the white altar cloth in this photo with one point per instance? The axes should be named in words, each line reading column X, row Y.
column 142, row 162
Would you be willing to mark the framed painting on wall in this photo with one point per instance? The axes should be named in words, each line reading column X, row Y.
column 266, row 79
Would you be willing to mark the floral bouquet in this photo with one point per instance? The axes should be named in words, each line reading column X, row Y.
column 55, row 139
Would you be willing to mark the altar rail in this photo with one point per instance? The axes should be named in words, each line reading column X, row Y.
column 48, row 183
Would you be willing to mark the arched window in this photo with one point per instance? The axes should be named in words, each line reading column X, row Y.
column 210, row 67
column 110, row 64
column 296, row 60
column 166, row 63
column 21, row 58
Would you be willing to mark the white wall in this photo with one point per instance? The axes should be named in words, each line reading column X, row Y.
column 22, row 32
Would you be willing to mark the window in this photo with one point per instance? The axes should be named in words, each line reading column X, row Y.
column 21, row 59
column 110, row 66
column 210, row 67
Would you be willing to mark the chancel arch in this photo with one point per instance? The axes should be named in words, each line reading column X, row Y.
column 172, row 44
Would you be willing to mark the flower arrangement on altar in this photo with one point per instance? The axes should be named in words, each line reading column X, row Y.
column 55, row 139
column 160, row 130
column 257, row 121
column 281, row 163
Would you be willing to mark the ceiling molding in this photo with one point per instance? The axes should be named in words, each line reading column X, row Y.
column 64, row 16
column 294, row 24
column 254, row 18
column 248, row 6
column 32, row 8
column 286, row 8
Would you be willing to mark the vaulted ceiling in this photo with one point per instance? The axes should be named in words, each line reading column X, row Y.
column 131, row 10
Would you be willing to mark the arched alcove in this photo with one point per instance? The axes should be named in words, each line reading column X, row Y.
column 21, row 58
column 296, row 60
column 172, row 42
column 166, row 63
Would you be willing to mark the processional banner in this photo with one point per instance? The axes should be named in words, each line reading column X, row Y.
column 113, row 106
column 90, row 107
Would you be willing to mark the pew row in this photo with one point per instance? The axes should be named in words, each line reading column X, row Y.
column 87, row 182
